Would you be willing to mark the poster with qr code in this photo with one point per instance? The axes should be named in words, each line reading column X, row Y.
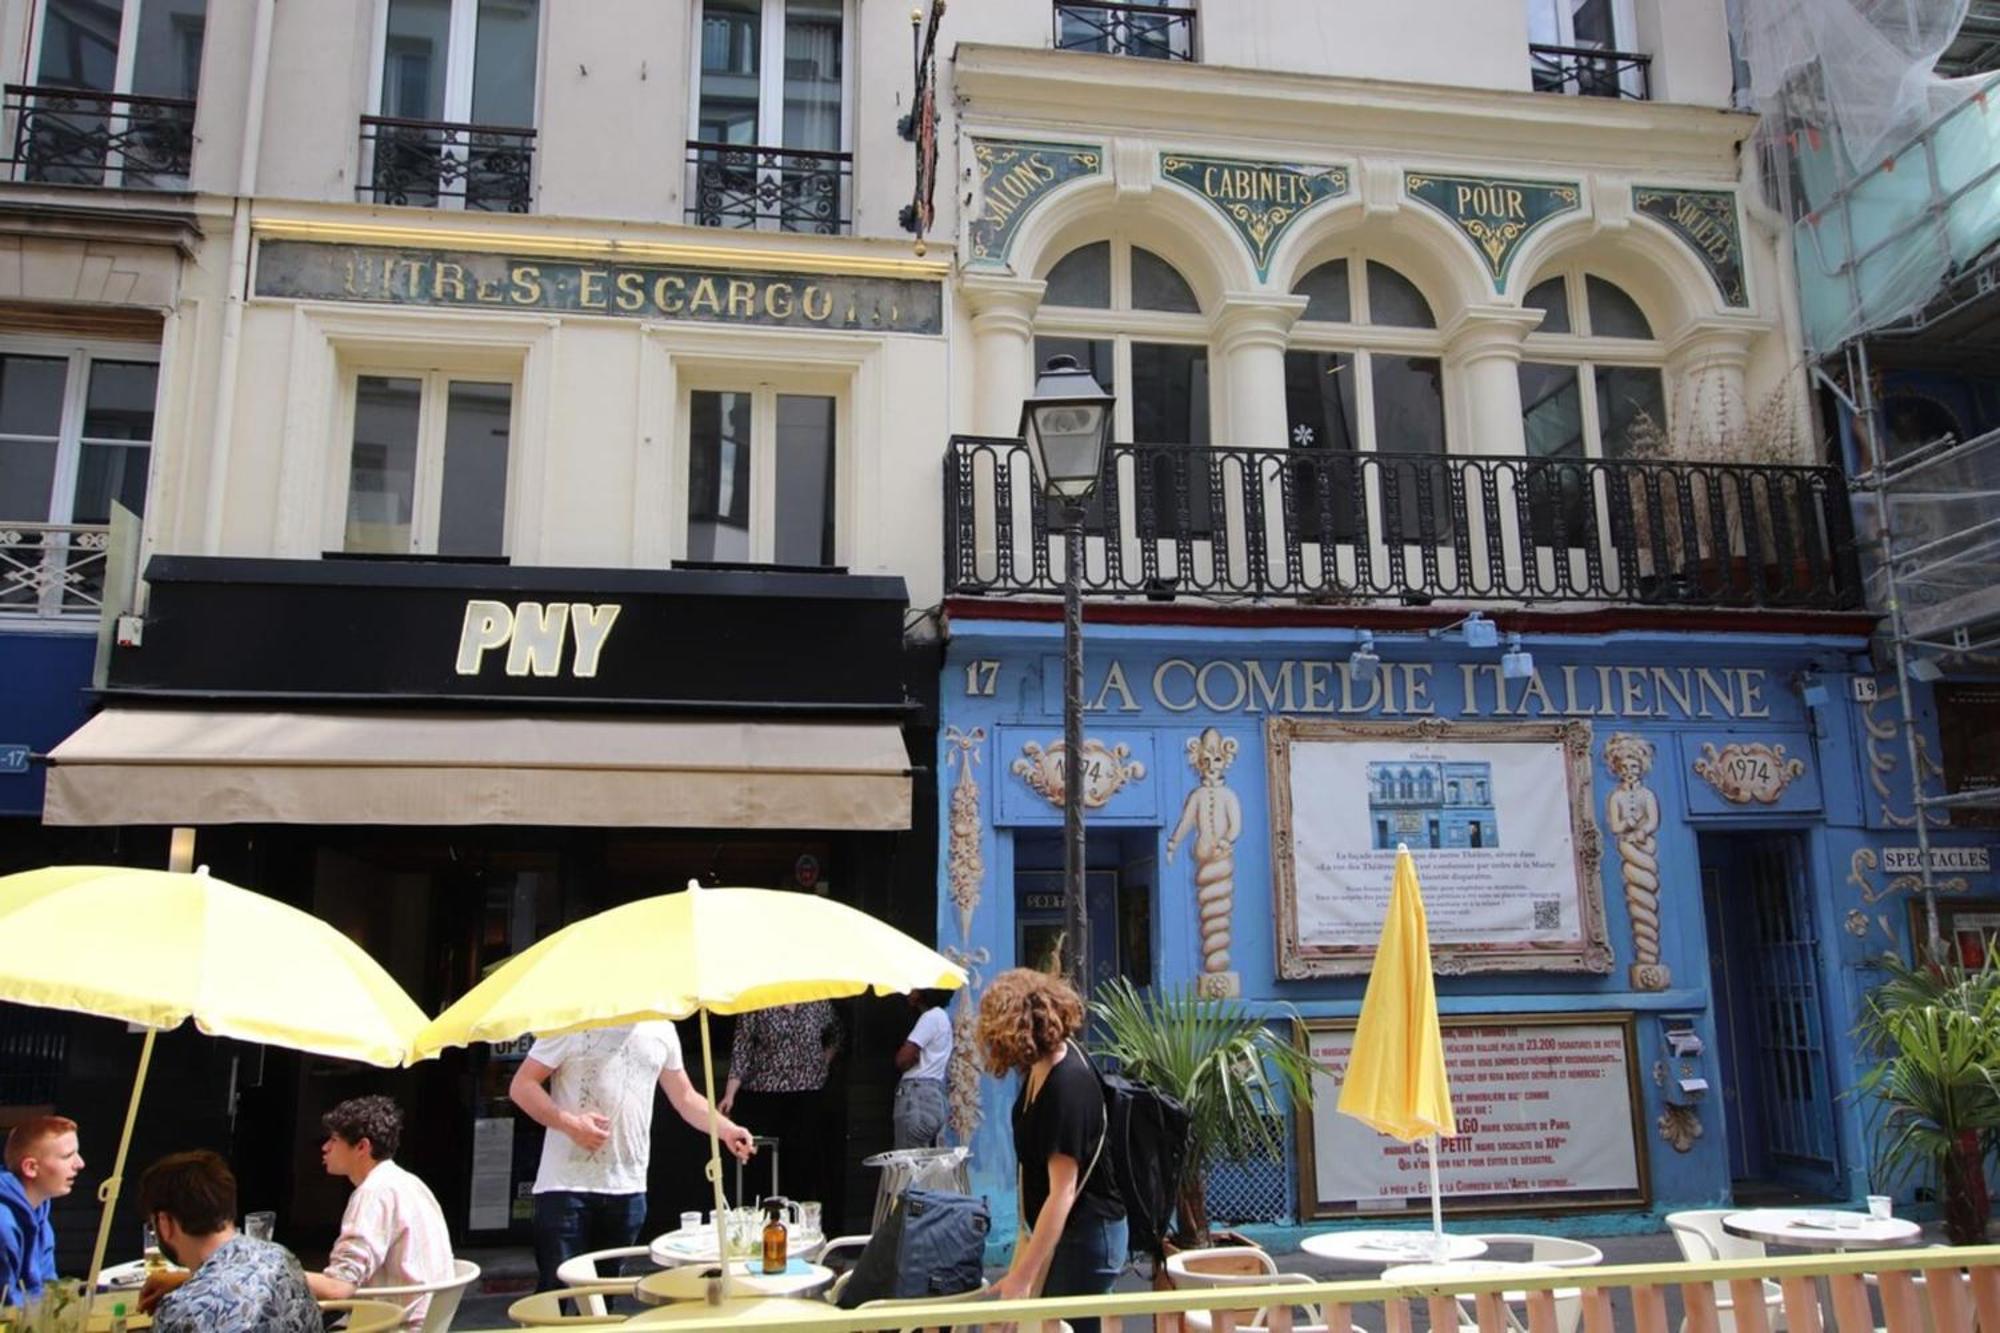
column 1497, row 815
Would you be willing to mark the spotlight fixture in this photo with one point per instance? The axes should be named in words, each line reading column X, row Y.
column 1475, row 629
column 1362, row 663
column 1925, row 669
column 1813, row 690
column 1517, row 663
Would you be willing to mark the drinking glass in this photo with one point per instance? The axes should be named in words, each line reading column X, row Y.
column 691, row 1221
column 260, row 1225
column 809, row 1218
column 150, row 1247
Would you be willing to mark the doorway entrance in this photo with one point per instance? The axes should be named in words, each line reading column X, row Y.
column 1118, row 893
column 1771, row 1022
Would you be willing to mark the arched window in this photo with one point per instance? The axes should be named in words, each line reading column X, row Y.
column 1590, row 388
column 1365, row 374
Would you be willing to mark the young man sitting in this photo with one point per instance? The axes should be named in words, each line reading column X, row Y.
column 235, row 1284
column 42, row 1165
column 393, row 1233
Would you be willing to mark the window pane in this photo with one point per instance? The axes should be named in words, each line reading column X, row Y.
column 1551, row 297
column 413, row 58
column 472, row 501
column 1613, row 314
column 1169, row 393
column 382, row 475
column 805, row 480
column 1094, row 355
column 108, row 472
column 1325, row 290
column 503, row 63
column 31, row 394
column 1320, row 412
column 812, row 75
column 119, row 405
column 1082, row 278
column 80, row 44
column 27, row 476
column 1630, row 402
column 168, row 60
column 1409, row 419
column 1552, row 421
column 1394, row 299
column 730, row 63
column 1158, row 285
column 718, row 476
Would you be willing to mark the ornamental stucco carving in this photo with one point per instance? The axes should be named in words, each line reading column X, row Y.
column 1106, row 769
column 1215, row 816
column 1748, row 773
column 1633, row 812
column 1680, row 1126
column 965, row 868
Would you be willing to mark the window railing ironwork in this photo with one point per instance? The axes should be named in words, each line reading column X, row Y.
column 1151, row 32
column 774, row 188
column 1591, row 71
column 1323, row 525
column 52, row 571
column 68, row 136
column 441, row 164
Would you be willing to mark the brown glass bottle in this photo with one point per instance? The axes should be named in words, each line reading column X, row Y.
column 775, row 1256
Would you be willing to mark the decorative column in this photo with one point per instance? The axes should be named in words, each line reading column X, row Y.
column 1704, row 385
column 1003, row 348
column 1250, row 336
column 1482, row 361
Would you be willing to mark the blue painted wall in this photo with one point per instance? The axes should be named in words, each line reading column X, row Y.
column 1849, row 801
column 43, row 699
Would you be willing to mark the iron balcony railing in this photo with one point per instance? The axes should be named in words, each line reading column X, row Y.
column 1151, row 32
column 773, row 188
column 66, row 136
column 52, row 571
column 1333, row 526
column 1591, row 71
column 440, row 164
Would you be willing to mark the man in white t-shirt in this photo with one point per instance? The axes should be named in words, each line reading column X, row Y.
column 590, row 1193
column 923, row 1057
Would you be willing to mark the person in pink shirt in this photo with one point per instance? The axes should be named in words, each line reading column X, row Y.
column 393, row 1233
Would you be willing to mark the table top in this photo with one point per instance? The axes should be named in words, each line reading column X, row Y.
column 675, row 1248
column 1382, row 1247
column 128, row 1276
column 777, row 1311
column 689, row 1282
column 1821, row 1228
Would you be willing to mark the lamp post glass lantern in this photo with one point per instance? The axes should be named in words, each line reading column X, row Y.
column 1065, row 424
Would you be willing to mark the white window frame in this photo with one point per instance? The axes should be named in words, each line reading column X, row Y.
column 1587, row 351
column 121, row 77
column 1624, row 35
column 764, row 389
column 70, row 441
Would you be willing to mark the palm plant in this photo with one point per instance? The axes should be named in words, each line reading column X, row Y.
column 1935, row 1029
column 1231, row 1072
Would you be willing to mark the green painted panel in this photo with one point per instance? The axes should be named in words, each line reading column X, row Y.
column 1495, row 213
column 1014, row 176
column 1260, row 199
column 1706, row 221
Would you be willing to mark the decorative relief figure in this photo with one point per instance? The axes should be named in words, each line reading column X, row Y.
column 1865, row 859
column 1745, row 773
column 1105, row 770
column 1214, row 815
column 1633, row 812
column 961, row 1078
column 966, row 870
column 1680, row 1126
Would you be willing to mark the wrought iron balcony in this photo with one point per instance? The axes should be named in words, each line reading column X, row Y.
column 1591, row 71
column 439, row 164
column 1151, row 32
column 781, row 189
column 52, row 571
column 1320, row 525
column 63, row 136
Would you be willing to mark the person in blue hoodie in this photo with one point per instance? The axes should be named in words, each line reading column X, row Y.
column 43, row 1163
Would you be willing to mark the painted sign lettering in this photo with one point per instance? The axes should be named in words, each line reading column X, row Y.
column 13, row 758
column 1706, row 221
column 311, row 271
column 533, row 635
column 1496, row 215
column 1260, row 199
column 1014, row 176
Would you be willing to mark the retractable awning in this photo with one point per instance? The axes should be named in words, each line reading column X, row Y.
column 212, row 766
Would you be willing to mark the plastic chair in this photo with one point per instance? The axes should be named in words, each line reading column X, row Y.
column 838, row 1249
column 1699, row 1233
column 582, row 1271
column 445, row 1295
column 1545, row 1251
column 887, row 1304
column 1232, row 1266
column 366, row 1316
column 544, row 1308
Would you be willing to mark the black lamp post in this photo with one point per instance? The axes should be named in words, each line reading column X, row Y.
column 1065, row 424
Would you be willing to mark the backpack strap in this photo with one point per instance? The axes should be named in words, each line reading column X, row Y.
column 1104, row 1133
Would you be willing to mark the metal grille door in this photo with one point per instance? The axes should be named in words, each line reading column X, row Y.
column 1796, row 1100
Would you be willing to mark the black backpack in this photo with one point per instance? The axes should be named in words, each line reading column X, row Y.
column 1147, row 1137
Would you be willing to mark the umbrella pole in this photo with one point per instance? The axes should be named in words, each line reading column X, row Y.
column 1437, row 1206
column 107, row 1193
column 715, row 1156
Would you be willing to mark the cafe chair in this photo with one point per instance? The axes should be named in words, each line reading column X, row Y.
column 1699, row 1233
column 583, row 1271
column 886, row 1305
column 445, row 1295
column 841, row 1254
column 1543, row 1251
column 1232, row 1266
column 544, row 1309
column 366, row 1316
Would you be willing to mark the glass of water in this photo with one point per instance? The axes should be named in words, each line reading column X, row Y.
column 809, row 1218
column 150, row 1247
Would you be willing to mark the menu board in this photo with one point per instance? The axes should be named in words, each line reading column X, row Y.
column 1548, row 1118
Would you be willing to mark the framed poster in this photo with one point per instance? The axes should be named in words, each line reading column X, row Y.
column 1537, row 1098
column 1971, row 930
column 1497, row 814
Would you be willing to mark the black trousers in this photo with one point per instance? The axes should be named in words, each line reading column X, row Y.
column 796, row 1120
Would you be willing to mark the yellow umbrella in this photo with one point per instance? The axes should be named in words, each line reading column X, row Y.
column 1395, row 1079
column 157, row 947
column 726, row 951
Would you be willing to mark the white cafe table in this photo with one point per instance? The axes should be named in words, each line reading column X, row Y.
column 1378, row 1248
column 689, row 1282
column 1822, row 1229
column 674, row 1248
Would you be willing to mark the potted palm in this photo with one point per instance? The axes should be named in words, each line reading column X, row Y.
column 1231, row 1072
column 1935, row 1032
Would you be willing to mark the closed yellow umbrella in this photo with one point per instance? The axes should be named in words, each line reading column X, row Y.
column 157, row 947
column 1395, row 1079
column 726, row 951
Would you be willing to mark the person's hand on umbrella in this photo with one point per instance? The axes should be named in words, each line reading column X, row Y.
column 588, row 1130
column 740, row 1142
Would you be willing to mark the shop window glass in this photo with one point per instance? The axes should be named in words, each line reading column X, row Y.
column 382, row 477
column 428, row 471
column 1158, row 285
column 65, row 458
column 1409, row 419
column 1320, row 414
column 1613, row 314
column 762, row 476
column 473, row 505
column 719, row 476
column 1393, row 299
column 1551, row 297
column 1325, row 290
column 805, row 479
column 1082, row 278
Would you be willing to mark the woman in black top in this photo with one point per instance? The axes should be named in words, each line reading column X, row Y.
column 1076, row 1241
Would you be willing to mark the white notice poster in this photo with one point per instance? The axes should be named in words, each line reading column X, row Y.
column 1545, row 1115
column 492, row 1174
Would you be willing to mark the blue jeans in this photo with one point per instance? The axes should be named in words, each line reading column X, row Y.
column 919, row 1113
column 571, row 1222
column 1088, row 1259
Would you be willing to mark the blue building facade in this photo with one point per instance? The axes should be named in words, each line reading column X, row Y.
column 47, row 668
column 1661, row 874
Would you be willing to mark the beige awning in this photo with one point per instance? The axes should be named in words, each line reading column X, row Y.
column 199, row 766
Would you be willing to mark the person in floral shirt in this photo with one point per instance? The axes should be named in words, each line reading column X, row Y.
column 234, row 1284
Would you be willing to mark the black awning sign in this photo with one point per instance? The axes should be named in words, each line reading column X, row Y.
column 533, row 633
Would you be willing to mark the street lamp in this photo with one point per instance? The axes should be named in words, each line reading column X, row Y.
column 1065, row 424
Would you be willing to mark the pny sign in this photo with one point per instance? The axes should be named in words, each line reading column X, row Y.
column 534, row 635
